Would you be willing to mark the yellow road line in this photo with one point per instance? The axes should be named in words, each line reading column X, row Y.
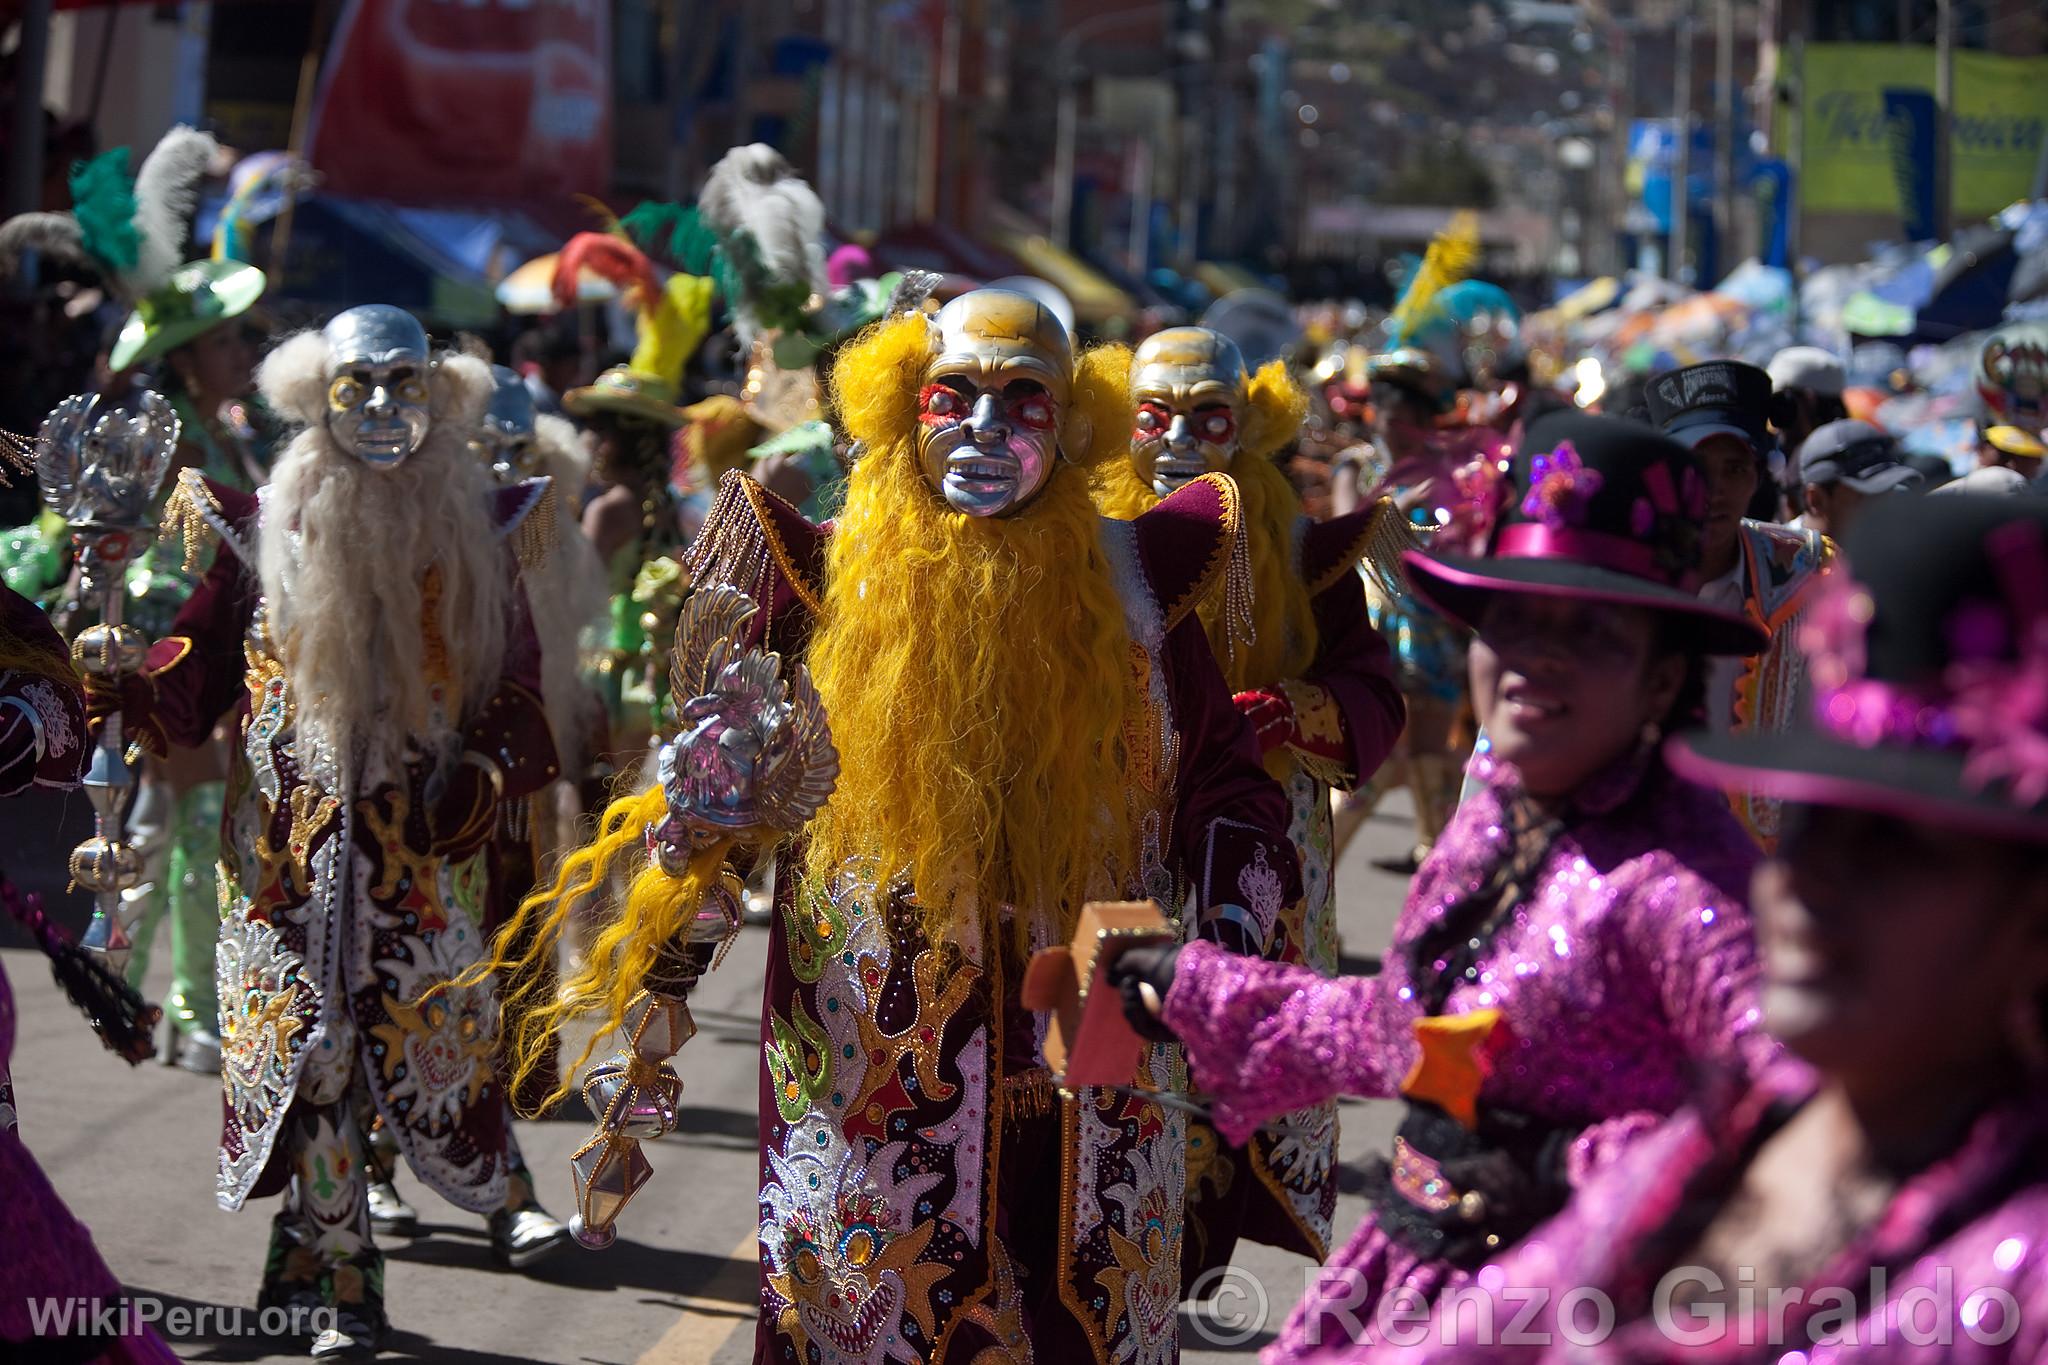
column 727, row 1305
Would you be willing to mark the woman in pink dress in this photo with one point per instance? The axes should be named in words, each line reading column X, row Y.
column 1575, row 948
column 45, row 1253
column 1882, row 1194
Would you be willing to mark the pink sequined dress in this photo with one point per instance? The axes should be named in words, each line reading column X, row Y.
column 1626, row 966
column 1955, row 1270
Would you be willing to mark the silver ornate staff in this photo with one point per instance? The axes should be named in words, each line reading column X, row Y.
column 101, row 462
column 753, row 759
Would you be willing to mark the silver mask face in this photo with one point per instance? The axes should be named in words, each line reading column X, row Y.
column 377, row 384
column 994, row 393
column 505, row 440
column 1188, row 384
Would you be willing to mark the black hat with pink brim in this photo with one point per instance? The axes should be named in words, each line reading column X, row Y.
column 1604, row 510
column 1927, row 654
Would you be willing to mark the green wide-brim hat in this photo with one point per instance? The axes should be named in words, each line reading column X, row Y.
column 198, row 297
column 628, row 393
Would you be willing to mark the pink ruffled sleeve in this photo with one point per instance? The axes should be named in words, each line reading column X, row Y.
column 1264, row 1038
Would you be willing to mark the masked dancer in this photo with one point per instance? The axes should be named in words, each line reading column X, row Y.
column 1316, row 683
column 1028, row 716
column 363, row 619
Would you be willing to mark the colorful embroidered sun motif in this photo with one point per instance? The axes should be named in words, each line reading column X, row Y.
column 842, row 1246
column 1144, row 1285
column 259, row 989
column 440, row 1038
column 1561, row 488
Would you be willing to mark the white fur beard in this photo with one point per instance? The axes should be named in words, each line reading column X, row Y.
column 342, row 559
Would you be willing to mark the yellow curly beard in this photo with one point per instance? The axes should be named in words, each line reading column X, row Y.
column 1284, row 627
column 977, row 672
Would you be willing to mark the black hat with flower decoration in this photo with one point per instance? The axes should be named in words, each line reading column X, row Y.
column 1611, row 511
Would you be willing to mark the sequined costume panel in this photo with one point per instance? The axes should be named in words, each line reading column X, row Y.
column 1631, row 962
column 1961, row 1253
column 38, row 682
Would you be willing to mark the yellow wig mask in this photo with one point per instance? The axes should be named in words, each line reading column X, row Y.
column 1284, row 631
column 976, row 669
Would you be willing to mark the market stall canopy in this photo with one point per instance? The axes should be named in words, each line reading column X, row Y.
column 1588, row 299
column 1223, row 279
column 530, row 290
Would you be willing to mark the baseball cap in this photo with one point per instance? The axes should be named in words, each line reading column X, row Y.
column 1714, row 398
column 1806, row 367
column 1857, row 455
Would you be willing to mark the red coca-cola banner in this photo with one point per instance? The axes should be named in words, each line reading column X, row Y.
column 440, row 101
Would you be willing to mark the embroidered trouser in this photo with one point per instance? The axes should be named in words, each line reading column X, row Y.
column 180, row 843
column 320, row 1243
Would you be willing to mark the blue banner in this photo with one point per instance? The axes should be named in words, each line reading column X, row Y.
column 1909, row 134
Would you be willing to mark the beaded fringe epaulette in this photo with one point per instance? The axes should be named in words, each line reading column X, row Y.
column 1240, row 623
column 192, row 518
column 1389, row 536
column 534, row 539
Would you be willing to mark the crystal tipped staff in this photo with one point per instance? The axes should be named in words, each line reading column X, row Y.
column 752, row 761
column 101, row 462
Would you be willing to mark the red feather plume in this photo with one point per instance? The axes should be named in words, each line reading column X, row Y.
column 613, row 258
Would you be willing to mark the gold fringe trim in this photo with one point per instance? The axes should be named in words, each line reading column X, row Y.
column 17, row 455
column 1388, row 536
column 534, row 539
column 192, row 517
column 1029, row 1095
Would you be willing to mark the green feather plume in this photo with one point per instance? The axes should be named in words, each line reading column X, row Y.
column 103, row 202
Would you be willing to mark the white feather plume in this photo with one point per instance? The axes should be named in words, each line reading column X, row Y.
column 754, row 190
column 166, row 193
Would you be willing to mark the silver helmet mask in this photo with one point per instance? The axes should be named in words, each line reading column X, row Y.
column 1188, row 384
column 379, row 368
column 993, row 397
column 505, row 438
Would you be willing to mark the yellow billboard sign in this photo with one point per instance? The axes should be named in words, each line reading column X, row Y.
column 2001, row 116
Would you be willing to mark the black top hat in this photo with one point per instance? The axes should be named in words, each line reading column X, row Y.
column 1928, row 656
column 1715, row 398
column 1611, row 512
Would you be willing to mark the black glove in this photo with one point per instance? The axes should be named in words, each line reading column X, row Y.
column 1145, row 965
column 1514, row 1187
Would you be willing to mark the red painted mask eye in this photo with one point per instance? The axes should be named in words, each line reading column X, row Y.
column 1153, row 419
column 940, row 403
column 1215, row 426
column 1034, row 412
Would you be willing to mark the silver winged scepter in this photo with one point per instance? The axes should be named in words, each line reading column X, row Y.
column 752, row 758
column 101, row 462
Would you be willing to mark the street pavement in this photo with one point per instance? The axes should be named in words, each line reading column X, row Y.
column 132, row 1153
